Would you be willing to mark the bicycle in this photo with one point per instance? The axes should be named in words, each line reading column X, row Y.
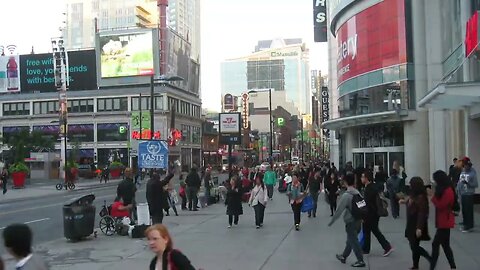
column 68, row 186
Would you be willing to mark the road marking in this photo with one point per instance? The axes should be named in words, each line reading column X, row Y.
column 32, row 221
column 37, row 220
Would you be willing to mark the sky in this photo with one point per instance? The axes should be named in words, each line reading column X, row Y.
column 229, row 29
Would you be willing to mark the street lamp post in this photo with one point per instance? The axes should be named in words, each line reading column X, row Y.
column 270, row 118
column 60, row 67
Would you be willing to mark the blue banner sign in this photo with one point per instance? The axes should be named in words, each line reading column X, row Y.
column 153, row 155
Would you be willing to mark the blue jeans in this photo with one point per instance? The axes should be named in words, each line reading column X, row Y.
column 352, row 230
column 467, row 211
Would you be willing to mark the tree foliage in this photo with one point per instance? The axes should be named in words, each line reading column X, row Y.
column 24, row 142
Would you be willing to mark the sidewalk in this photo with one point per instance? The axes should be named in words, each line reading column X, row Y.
column 46, row 187
column 203, row 236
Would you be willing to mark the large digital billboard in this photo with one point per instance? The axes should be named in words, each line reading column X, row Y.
column 9, row 74
column 129, row 54
column 37, row 74
column 178, row 59
column 372, row 39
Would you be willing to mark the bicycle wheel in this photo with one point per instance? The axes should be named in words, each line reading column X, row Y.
column 71, row 186
column 59, row 186
column 107, row 225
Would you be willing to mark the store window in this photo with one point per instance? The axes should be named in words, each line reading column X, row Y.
column 387, row 135
column 110, row 132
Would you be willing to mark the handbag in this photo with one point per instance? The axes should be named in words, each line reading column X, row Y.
column 307, row 204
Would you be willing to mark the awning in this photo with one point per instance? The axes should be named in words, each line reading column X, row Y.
column 369, row 119
column 451, row 96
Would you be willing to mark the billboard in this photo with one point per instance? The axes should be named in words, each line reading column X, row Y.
column 179, row 62
column 127, row 54
column 320, row 20
column 228, row 102
column 9, row 74
column 230, row 128
column 38, row 74
column 372, row 39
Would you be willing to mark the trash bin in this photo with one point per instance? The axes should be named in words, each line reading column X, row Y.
column 79, row 217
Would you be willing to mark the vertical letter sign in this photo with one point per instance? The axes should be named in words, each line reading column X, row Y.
column 320, row 20
column 153, row 155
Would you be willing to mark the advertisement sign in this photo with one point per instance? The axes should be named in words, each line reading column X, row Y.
column 179, row 62
column 37, row 74
column 245, row 110
column 228, row 102
column 320, row 20
column 153, row 155
column 9, row 73
column 230, row 128
column 325, row 107
column 126, row 54
column 471, row 36
column 48, row 132
column 372, row 39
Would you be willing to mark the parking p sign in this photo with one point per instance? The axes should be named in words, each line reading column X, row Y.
column 153, row 155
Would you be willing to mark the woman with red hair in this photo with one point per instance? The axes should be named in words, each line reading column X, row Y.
column 160, row 242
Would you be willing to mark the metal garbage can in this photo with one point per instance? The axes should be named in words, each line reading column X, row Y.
column 79, row 217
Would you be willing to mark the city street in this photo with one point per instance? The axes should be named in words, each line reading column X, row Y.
column 203, row 236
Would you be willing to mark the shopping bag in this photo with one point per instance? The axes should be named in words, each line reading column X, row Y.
column 307, row 204
column 361, row 236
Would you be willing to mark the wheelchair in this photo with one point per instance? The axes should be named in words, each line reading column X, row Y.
column 110, row 225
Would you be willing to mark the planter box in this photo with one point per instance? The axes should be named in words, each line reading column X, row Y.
column 115, row 173
column 19, row 179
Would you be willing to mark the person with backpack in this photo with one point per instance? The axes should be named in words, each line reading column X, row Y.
column 355, row 210
column 444, row 201
column 258, row 200
column 160, row 243
column 394, row 187
column 370, row 224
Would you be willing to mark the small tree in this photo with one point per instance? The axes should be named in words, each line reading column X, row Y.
column 24, row 142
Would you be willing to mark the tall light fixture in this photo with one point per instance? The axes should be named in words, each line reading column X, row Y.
column 60, row 67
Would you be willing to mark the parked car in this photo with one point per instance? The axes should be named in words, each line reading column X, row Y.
column 86, row 171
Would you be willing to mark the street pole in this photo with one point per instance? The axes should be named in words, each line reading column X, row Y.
column 271, row 126
column 301, row 146
column 140, row 114
column 152, row 111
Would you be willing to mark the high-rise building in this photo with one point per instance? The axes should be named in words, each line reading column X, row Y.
column 183, row 16
column 84, row 17
column 281, row 67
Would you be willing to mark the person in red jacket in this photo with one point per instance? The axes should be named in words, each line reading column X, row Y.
column 443, row 199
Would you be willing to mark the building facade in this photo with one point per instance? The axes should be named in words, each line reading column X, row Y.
column 85, row 17
column 280, row 67
column 377, row 75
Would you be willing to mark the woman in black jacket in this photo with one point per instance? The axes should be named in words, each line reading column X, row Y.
column 417, row 220
column 160, row 242
column 332, row 189
column 234, row 201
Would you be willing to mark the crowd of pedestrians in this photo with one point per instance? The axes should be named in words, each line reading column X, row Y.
column 361, row 194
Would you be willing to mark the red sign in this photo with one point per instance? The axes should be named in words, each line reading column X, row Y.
column 373, row 39
column 471, row 37
column 146, row 135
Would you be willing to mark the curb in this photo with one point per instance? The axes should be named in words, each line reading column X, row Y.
column 96, row 186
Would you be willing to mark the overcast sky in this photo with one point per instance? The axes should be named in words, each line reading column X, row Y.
column 230, row 28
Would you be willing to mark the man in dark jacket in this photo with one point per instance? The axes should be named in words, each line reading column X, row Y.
column 126, row 188
column 155, row 196
column 370, row 224
column 193, row 183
